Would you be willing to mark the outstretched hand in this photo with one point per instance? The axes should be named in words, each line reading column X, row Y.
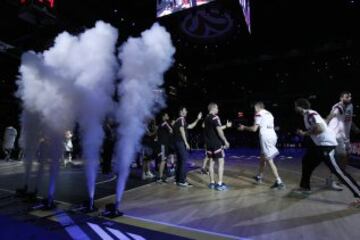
column 300, row 132
column 228, row 124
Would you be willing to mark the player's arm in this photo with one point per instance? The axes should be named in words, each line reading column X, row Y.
column 253, row 128
column 318, row 128
column 222, row 136
column 192, row 125
column 171, row 131
column 183, row 136
column 227, row 125
column 332, row 114
column 153, row 131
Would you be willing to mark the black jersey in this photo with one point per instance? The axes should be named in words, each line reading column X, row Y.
column 164, row 133
column 180, row 122
column 150, row 135
column 211, row 136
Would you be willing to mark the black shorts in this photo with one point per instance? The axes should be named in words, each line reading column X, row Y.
column 149, row 151
column 215, row 152
column 164, row 151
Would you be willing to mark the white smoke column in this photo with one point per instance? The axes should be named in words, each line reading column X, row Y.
column 44, row 92
column 29, row 137
column 45, row 109
column 73, row 81
column 144, row 61
column 90, row 60
column 96, row 85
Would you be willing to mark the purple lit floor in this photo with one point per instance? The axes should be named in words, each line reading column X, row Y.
column 246, row 210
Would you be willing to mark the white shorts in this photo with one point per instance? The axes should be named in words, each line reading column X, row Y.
column 268, row 147
column 343, row 146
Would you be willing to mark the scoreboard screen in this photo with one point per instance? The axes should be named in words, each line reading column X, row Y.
column 167, row 7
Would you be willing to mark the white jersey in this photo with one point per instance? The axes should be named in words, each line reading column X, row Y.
column 327, row 137
column 341, row 122
column 68, row 145
column 265, row 120
column 9, row 138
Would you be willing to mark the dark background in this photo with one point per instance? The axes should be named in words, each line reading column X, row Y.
column 296, row 49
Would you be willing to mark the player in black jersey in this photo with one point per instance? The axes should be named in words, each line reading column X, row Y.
column 182, row 145
column 204, row 168
column 215, row 142
column 165, row 133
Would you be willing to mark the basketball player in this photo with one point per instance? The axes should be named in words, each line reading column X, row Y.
column 340, row 121
column 165, row 132
column 324, row 151
column 182, row 145
column 264, row 121
column 215, row 142
column 203, row 169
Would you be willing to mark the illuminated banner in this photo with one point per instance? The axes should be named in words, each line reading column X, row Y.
column 166, row 7
column 44, row 3
column 245, row 5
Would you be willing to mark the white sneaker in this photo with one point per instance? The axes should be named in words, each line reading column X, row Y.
column 147, row 175
column 336, row 186
column 150, row 174
column 331, row 184
column 144, row 176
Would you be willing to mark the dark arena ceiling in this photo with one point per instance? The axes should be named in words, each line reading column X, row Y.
column 296, row 48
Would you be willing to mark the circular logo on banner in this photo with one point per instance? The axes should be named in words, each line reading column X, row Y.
column 207, row 23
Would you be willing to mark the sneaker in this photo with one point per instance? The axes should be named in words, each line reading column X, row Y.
column 212, row 185
column 150, row 174
column 333, row 185
column 278, row 185
column 185, row 184
column 221, row 187
column 147, row 176
column 162, row 180
column 355, row 204
column 172, row 171
column 258, row 179
column 302, row 192
column 336, row 186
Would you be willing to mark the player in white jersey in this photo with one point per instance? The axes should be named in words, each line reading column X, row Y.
column 264, row 121
column 9, row 142
column 324, row 151
column 340, row 121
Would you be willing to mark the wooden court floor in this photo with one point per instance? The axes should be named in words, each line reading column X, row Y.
column 248, row 210
column 245, row 211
